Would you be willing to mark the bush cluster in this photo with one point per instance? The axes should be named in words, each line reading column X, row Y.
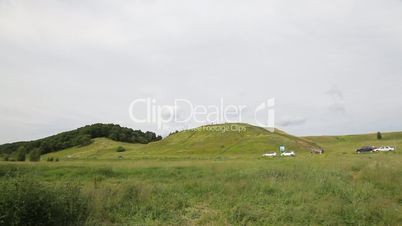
column 120, row 149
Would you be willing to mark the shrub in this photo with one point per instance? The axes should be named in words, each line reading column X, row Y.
column 20, row 154
column 120, row 149
column 27, row 202
column 56, row 159
column 50, row 159
column 379, row 136
column 34, row 156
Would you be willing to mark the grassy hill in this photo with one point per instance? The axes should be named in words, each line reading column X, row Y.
column 349, row 143
column 79, row 137
column 212, row 140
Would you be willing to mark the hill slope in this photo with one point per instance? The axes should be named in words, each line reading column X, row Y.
column 78, row 137
column 229, row 139
column 349, row 143
column 212, row 140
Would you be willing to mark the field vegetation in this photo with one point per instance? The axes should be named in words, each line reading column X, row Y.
column 167, row 187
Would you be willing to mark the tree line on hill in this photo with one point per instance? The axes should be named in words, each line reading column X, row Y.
column 79, row 137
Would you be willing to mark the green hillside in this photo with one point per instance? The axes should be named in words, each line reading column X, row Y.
column 212, row 140
column 79, row 137
column 349, row 143
column 220, row 141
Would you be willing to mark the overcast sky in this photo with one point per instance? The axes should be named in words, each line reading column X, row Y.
column 333, row 66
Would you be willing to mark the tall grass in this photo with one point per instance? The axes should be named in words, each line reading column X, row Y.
column 315, row 191
column 24, row 201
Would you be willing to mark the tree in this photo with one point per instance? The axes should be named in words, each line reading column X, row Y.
column 83, row 140
column 20, row 154
column 34, row 155
column 6, row 157
column 47, row 146
column 379, row 136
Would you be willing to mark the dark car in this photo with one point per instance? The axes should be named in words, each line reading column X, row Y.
column 366, row 149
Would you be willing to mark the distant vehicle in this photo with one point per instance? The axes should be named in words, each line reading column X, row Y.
column 366, row 149
column 317, row 151
column 384, row 149
column 288, row 154
column 271, row 154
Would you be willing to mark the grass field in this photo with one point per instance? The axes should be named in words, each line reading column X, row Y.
column 225, row 188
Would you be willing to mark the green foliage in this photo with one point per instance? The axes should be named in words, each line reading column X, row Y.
column 25, row 201
column 379, row 136
column 4, row 157
column 20, row 154
column 34, row 155
column 120, row 149
column 80, row 137
column 83, row 140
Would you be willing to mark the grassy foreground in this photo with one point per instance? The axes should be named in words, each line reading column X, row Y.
column 338, row 188
column 359, row 190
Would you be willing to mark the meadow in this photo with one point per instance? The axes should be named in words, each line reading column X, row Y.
column 337, row 188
